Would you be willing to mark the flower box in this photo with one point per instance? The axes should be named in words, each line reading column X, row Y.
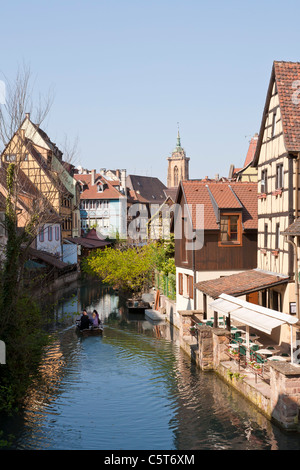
column 277, row 192
column 233, row 353
column 257, row 368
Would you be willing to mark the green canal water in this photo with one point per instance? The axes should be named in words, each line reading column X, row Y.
column 131, row 389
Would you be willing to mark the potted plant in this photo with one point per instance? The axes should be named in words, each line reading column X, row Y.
column 193, row 330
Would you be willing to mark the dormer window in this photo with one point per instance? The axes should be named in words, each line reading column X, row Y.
column 100, row 188
column 230, row 229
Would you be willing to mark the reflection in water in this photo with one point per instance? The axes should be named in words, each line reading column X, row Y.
column 133, row 388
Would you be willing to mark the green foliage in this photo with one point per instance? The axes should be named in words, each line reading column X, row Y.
column 129, row 268
column 24, row 340
column 164, row 256
column 126, row 269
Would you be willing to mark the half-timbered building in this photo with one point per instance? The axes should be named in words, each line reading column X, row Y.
column 277, row 161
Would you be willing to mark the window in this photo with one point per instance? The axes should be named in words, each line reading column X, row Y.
column 10, row 158
column 183, row 239
column 274, row 124
column 56, row 233
column 277, row 234
column 266, row 236
column 231, row 230
column 100, row 188
column 263, row 182
column 41, row 235
column 279, row 176
column 175, row 176
column 50, row 234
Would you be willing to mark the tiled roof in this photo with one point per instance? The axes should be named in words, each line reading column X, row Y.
column 47, row 258
column 91, row 191
column 150, row 189
column 251, row 150
column 240, row 283
column 286, row 75
column 293, row 229
column 89, row 242
column 171, row 193
column 216, row 196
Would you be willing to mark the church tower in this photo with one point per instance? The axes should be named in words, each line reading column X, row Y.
column 178, row 168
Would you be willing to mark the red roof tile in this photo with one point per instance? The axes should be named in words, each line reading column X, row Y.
column 91, row 191
column 286, row 73
column 221, row 195
column 240, row 283
column 287, row 76
column 251, row 150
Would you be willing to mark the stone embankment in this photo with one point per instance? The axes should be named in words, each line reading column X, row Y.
column 277, row 396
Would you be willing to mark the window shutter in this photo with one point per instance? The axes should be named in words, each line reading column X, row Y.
column 180, row 284
column 191, row 287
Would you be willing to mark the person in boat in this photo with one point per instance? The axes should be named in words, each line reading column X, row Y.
column 96, row 321
column 84, row 321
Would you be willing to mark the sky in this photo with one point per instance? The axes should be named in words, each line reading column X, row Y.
column 125, row 73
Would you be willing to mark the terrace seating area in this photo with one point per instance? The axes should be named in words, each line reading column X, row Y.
column 255, row 358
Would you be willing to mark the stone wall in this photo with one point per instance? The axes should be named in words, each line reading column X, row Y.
column 279, row 401
column 285, row 394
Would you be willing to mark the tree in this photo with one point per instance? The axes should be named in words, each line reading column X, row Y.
column 32, row 178
column 29, row 203
column 128, row 270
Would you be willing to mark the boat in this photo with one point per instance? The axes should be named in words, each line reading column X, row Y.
column 155, row 315
column 137, row 305
column 91, row 331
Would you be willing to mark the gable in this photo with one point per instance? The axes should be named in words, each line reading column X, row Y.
column 283, row 97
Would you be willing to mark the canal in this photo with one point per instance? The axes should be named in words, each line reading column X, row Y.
column 131, row 389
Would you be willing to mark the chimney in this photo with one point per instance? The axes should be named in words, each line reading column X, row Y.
column 27, row 115
column 123, row 181
column 217, row 177
column 93, row 177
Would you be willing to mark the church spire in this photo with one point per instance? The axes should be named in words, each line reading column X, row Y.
column 178, row 167
column 178, row 137
column 178, row 145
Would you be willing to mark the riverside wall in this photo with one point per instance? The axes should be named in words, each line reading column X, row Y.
column 278, row 399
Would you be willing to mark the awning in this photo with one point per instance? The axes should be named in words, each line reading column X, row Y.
column 256, row 316
column 241, row 283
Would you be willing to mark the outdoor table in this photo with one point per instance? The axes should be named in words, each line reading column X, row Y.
column 279, row 358
column 272, row 349
column 240, row 331
column 265, row 352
